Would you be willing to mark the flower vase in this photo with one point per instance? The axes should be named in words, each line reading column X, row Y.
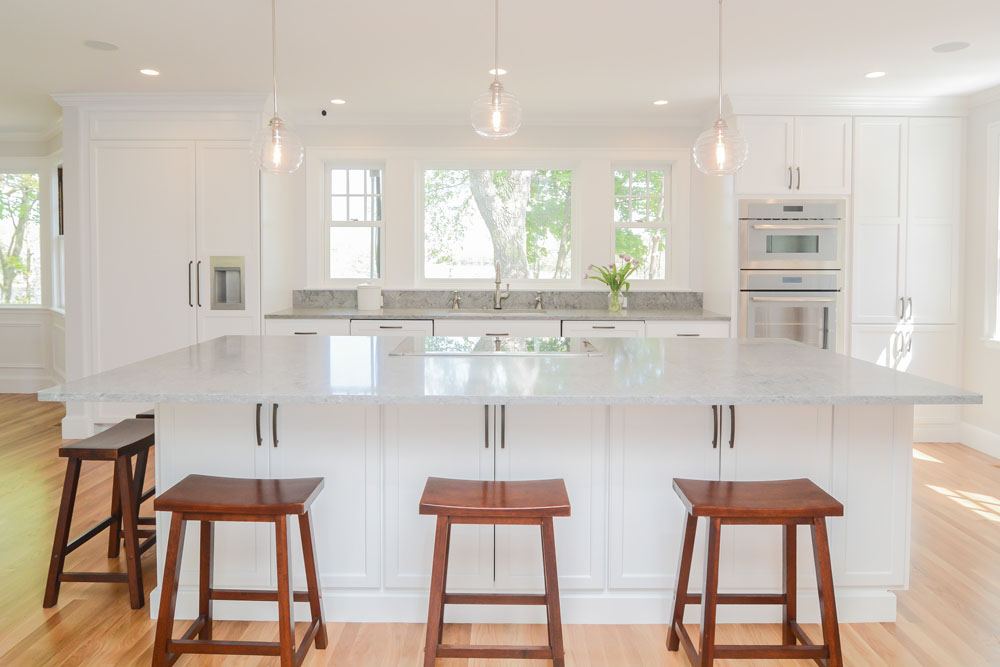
column 616, row 301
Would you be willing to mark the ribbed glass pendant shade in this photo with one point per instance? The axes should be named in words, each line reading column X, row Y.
column 277, row 148
column 496, row 113
column 720, row 150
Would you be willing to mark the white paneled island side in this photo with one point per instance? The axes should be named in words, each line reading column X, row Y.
column 617, row 426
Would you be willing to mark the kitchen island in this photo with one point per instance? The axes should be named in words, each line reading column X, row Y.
column 617, row 425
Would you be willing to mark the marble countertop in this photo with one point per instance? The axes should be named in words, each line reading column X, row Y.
column 482, row 313
column 630, row 371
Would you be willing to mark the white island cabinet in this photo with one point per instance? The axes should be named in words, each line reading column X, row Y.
column 617, row 427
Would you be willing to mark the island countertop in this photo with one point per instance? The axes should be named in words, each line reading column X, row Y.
column 629, row 371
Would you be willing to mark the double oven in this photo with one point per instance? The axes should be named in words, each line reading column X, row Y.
column 792, row 271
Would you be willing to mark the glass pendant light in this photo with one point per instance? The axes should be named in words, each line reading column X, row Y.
column 721, row 149
column 276, row 147
column 496, row 113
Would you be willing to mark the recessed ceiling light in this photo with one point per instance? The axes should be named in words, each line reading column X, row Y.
column 660, row 103
column 874, row 75
column 498, row 72
column 948, row 47
column 149, row 72
column 98, row 45
column 337, row 100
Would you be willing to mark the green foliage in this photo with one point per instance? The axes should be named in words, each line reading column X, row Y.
column 19, row 238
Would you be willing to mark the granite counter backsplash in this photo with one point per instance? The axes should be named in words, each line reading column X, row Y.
column 519, row 299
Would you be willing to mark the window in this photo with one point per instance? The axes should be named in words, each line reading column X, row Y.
column 518, row 217
column 642, row 225
column 354, row 223
column 20, row 239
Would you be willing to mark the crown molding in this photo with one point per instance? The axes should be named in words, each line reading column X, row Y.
column 847, row 105
column 252, row 102
column 984, row 97
column 32, row 136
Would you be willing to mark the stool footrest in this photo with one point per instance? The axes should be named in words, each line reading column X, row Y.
column 800, row 634
column 147, row 543
column 252, row 595
column 217, row 647
column 739, row 598
column 82, row 539
column 106, row 577
column 494, row 598
column 487, row 651
column 776, row 651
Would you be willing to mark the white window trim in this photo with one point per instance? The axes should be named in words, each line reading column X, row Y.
column 991, row 326
column 674, row 274
column 47, row 211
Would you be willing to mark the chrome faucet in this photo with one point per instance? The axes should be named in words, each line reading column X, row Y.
column 538, row 300
column 455, row 300
column 499, row 296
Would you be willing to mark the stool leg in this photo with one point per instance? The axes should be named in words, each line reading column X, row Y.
column 709, row 596
column 790, row 585
column 115, row 530
column 827, row 601
column 444, row 583
column 168, row 590
column 205, row 576
column 286, row 613
column 62, row 532
column 681, row 581
column 123, row 470
column 552, row 593
column 312, row 577
column 436, row 602
column 139, row 476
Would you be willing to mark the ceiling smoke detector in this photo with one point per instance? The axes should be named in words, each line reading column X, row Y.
column 98, row 45
column 950, row 47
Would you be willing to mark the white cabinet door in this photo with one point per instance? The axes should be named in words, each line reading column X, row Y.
column 768, row 168
column 822, row 157
column 548, row 442
column 651, row 445
column 422, row 441
column 392, row 328
column 772, row 442
column 142, row 207
column 933, row 234
column 603, row 329
column 933, row 352
column 498, row 327
column 693, row 329
column 879, row 259
column 214, row 439
column 878, row 343
column 342, row 441
column 228, row 225
column 303, row 327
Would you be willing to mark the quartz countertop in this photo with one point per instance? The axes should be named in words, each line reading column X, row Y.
column 630, row 371
column 488, row 313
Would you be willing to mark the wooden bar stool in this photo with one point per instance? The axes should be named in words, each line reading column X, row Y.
column 210, row 499
column 132, row 437
column 787, row 503
column 456, row 501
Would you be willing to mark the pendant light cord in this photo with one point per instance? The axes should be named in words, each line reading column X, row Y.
column 496, row 41
column 274, row 56
column 720, row 59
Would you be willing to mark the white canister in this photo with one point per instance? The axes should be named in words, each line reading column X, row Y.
column 369, row 297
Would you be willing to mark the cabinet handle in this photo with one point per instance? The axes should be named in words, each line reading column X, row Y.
column 274, row 424
column 902, row 307
column 394, row 326
column 190, row 301
column 688, row 335
column 732, row 426
column 486, row 423
column 599, row 327
column 305, row 333
column 497, row 334
column 715, row 426
column 259, row 440
column 798, row 176
column 789, row 178
column 503, row 426
column 197, row 281
column 909, row 308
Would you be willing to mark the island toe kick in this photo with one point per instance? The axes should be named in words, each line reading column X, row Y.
column 618, row 551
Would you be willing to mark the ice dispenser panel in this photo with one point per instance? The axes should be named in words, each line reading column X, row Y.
column 227, row 283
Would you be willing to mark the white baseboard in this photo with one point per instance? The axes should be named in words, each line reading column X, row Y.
column 593, row 608
column 937, row 432
column 25, row 385
column 978, row 438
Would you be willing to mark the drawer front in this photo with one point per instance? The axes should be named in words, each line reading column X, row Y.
column 307, row 327
column 497, row 328
column 695, row 329
column 392, row 327
column 603, row 328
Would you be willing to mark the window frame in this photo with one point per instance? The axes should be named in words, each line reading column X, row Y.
column 43, row 168
column 991, row 319
column 557, row 163
column 328, row 224
column 677, row 269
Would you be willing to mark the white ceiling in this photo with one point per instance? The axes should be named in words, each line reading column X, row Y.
column 423, row 61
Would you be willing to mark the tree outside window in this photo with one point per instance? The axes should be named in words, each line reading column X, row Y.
column 641, row 221
column 20, row 239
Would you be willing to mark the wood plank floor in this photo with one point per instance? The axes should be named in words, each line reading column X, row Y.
column 950, row 616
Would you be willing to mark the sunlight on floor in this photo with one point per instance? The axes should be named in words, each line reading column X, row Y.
column 917, row 454
column 985, row 506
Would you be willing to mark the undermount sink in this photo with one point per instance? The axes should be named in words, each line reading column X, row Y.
column 493, row 346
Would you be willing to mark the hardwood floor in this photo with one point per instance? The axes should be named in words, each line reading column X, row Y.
column 948, row 617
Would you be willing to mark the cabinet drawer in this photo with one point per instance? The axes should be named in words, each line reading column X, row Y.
column 497, row 327
column 699, row 328
column 307, row 327
column 604, row 328
column 392, row 327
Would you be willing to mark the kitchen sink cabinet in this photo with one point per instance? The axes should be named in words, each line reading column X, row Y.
column 498, row 327
column 306, row 327
column 603, row 328
column 804, row 155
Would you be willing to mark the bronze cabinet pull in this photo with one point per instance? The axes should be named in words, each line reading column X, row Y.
column 486, row 422
column 503, row 426
column 732, row 426
column 197, row 281
column 259, row 440
column 715, row 426
column 274, row 424
column 190, row 300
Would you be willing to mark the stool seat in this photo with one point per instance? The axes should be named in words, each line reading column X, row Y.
column 474, row 498
column 784, row 499
column 205, row 494
column 126, row 438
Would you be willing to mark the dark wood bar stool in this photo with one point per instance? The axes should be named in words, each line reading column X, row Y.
column 456, row 501
column 132, row 437
column 210, row 499
column 787, row 503
column 148, row 414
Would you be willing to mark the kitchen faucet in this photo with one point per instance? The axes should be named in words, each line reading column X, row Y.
column 499, row 296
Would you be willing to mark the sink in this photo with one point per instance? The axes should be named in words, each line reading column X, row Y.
column 494, row 346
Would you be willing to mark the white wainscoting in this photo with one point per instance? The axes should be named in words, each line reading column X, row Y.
column 32, row 349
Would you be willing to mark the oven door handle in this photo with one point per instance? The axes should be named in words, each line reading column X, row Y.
column 794, row 299
column 795, row 227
